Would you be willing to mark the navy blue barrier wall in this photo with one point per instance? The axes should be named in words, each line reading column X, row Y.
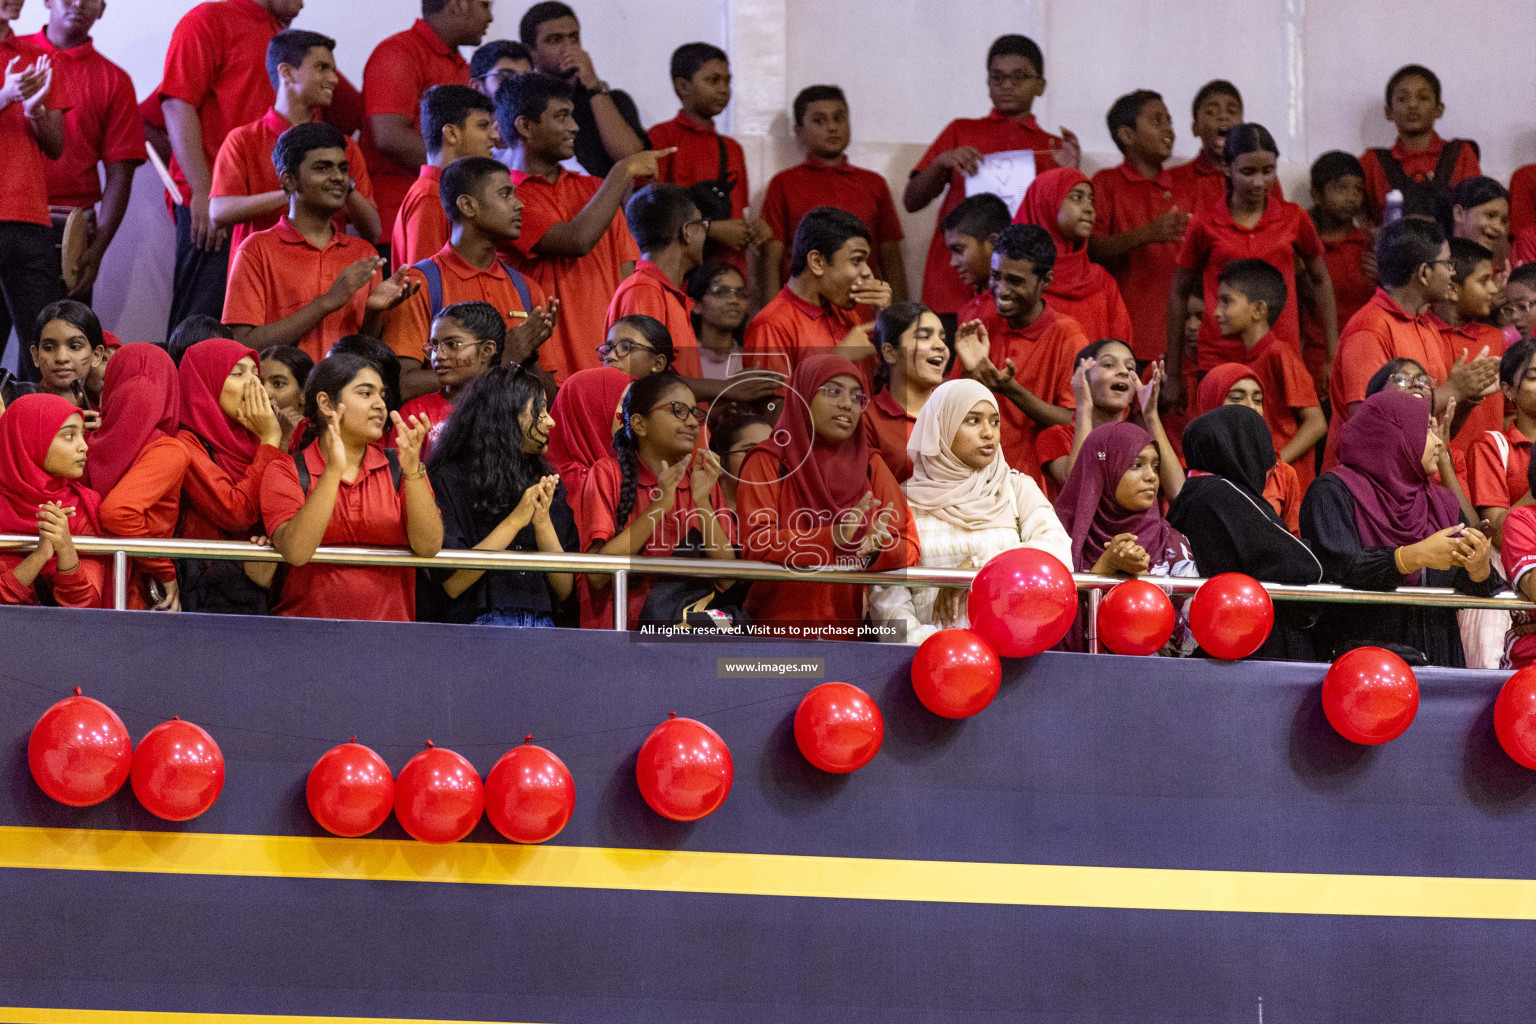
column 1227, row 778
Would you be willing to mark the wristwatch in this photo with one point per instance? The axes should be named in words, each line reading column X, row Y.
column 600, row 89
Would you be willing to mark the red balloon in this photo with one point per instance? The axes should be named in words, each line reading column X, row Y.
column 529, row 794
column 838, row 727
column 1514, row 717
column 439, row 797
column 1136, row 618
column 956, row 673
column 1022, row 602
column 350, row 790
column 178, row 770
column 684, row 769
column 1370, row 695
column 80, row 751
column 1231, row 616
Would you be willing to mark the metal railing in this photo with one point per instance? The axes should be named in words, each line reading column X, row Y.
column 620, row 568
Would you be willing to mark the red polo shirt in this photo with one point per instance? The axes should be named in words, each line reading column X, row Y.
column 369, row 512
column 1200, row 185
column 408, row 326
column 943, row 291
column 1417, row 166
column 217, row 62
column 1122, row 200
column 1522, row 199
column 1471, row 338
column 584, row 285
column 1288, row 388
column 1282, row 233
column 25, row 197
column 1496, row 467
column 1042, row 355
column 400, row 70
column 788, row 329
column 277, row 272
column 102, row 124
column 421, row 224
column 888, row 428
column 795, row 192
column 698, row 159
column 244, row 168
column 1345, row 258
column 648, row 290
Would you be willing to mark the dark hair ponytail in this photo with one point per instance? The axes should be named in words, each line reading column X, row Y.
column 1243, row 139
column 642, row 394
column 330, row 377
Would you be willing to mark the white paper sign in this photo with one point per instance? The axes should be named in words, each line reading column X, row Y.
column 1006, row 175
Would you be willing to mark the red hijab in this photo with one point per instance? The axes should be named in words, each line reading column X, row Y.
column 140, row 401
column 204, row 369
column 1075, row 276
column 583, row 412
column 27, row 429
column 1216, row 384
column 832, row 477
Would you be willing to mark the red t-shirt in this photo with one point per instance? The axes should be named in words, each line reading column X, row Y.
column 244, row 168
column 277, row 272
column 1523, row 249
column 1282, row 233
column 1522, row 199
column 1051, row 444
column 888, row 427
column 1489, row 414
column 408, row 326
column 795, row 192
column 1519, row 554
column 1416, row 166
column 1123, row 200
column 421, row 223
column 217, row 63
column 943, row 291
column 1288, row 388
column 698, row 159
column 25, row 197
column 788, row 329
column 369, row 512
column 1496, row 468
column 1200, row 185
column 1351, row 289
column 398, row 73
column 648, row 290
column 585, row 284
column 102, row 124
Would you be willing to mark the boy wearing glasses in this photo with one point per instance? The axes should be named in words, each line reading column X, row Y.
column 483, row 208
column 1015, row 79
column 495, row 62
column 456, row 121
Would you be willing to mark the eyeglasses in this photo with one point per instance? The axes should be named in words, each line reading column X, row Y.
column 836, row 392
column 1445, row 262
column 721, row 291
column 621, row 348
column 702, row 222
column 448, row 348
column 1017, row 78
column 1409, row 381
column 681, row 410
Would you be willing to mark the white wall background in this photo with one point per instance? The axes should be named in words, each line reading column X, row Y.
column 1312, row 72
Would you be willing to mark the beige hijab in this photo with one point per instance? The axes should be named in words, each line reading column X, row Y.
column 941, row 485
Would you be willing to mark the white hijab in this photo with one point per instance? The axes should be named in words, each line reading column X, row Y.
column 941, row 485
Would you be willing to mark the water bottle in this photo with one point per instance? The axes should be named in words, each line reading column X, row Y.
column 1393, row 208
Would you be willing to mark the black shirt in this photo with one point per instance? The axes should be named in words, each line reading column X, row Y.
column 589, row 142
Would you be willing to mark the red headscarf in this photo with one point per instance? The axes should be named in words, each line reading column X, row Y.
column 583, row 412
column 27, row 429
column 1216, row 384
column 204, row 369
column 140, row 401
column 1075, row 276
column 832, row 477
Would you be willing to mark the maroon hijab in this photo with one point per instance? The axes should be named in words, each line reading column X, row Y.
column 1381, row 454
column 204, row 369
column 1087, row 506
column 140, row 401
column 832, row 477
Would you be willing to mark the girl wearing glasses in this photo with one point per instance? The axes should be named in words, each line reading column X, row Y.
column 467, row 338
column 719, row 294
column 639, row 345
column 657, row 493
column 817, row 495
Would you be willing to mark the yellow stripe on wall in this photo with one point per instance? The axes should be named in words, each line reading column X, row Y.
column 755, row 874
column 28, row 1015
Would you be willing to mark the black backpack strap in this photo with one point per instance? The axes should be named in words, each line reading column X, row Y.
column 1445, row 167
column 1393, row 170
column 303, row 468
column 393, row 456
column 725, row 164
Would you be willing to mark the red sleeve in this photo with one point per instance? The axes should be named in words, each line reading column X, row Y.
column 11, row 589
column 392, row 81
column 149, row 110
column 128, row 509
column 1467, row 165
column 228, row 503
column 769, row 346
column 661, row 136
column 357, row 167
column 1308, row 242
column 596, row 523
column 245, row 298
column 1519, row 549
column 775, row 210
column 539, row 215
column 628, row 248
column 889, row 226
column 1282, row 489
column 640, row 297
column 192, row 60
column 1524, row 249
column 346, row 109
column 229, row 177
column 84, row 588
column 1103, row 203
column 946, row 141
column 123, row 132
column 1522, row 199
column 1196, row 248
column 1487, row 482
column 759, row 498
column 281, row 495
column 1360, row 355
column 1295, row 380
column 1071, row 341
column 408, row 326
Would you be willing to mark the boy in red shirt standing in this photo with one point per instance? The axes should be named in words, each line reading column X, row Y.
column 572, row 242
column 1249, row 299
column 969, row 231
column 101, row 126
column 247, row 197
column 828, row 179
column 400, row 70
column 456, row 122
column 274, row 280
column 1020, row 347
column 708, row 164
column 669, row 229
column 1420, row 164
column 1498, row 460
column 1201, row 183
column 1137, row 220
column 1462, row 318
column 1338, row 199
column 1015, row 79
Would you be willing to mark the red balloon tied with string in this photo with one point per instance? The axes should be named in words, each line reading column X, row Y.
column 178, row 770
column 838, row 728
column 684, row 769
column 79, row 751
column 439, row 796
column 529, row 794
column 350, row 790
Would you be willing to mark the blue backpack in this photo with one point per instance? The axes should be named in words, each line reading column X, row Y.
column 434, row 275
